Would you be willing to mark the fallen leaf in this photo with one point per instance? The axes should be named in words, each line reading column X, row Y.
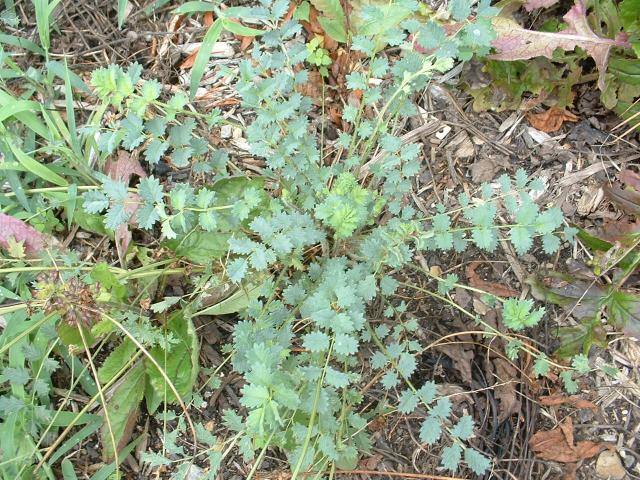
column 14, row 229
column 551, row 120
column 312, row 88
column 494, row 288
column 505, row 388
column 514, row 42
column 558, row 445
column 573, row 400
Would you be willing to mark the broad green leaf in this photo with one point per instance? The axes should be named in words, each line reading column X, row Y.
column 70, row 335
column 17, row 107
column 180, row 363
column 334, row 28
column 122, row 409
column 68, row 472
column 116, row 360
column 200, row 247
column 235, row 303
column 204, row 52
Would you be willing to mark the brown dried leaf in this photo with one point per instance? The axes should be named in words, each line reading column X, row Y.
column 558, row 445
column 505, row 389
column 573, row 400
column 514, row 42
column 494, row 288
column 551, row 120
column 13, row 229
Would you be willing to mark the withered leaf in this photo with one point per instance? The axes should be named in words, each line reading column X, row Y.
column 551, row 120
column 573, row 400
column 558, row 445
column 514, row 42
column 491, row 287
column 14, row 229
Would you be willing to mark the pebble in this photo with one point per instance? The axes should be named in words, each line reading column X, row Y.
column 609, row 466
column 226, row 131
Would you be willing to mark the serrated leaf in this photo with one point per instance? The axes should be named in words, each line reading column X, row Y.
column 154, row 151
column 345, row 344
column 408, row 402
column 476, row 461
column 116, row 360
column 430, row 430
column 316, row 341
column 464, row 428
column 451, row 457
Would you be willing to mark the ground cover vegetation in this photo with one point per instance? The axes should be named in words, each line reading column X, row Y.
column 305, row 259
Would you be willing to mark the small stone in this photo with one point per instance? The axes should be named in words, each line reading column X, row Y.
column 226, row 131
column 609, row 466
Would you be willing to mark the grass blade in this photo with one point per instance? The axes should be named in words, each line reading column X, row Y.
column 200, row 63
column 36, row 167
column 68, row 473
column 122, row 10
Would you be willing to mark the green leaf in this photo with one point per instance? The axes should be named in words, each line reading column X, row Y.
column 195, row 6
column 200, row 247
column 541, row 366
column 204, row 52
column 154, row 151
column 581, row 363
column 316, row 341
column 476, row 461
column 345, row 344
column 70, row 335
column 570, row 385
column 180, row 363
column 35, row 167
column 451, row 457
column 430, row 430
column 122, row 10
column 94, row 201
column 517, row 314
column 116, row 360
column 463, row 429
column 460, row 9
column 237, row 302
column 240, row 29
column 408, row 402
column 122, row 409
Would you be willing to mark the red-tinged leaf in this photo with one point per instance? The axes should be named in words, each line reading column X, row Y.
column 18, row 231
column 514, row 42
column 630, row 178
column 124, row 167
column 531, row 5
